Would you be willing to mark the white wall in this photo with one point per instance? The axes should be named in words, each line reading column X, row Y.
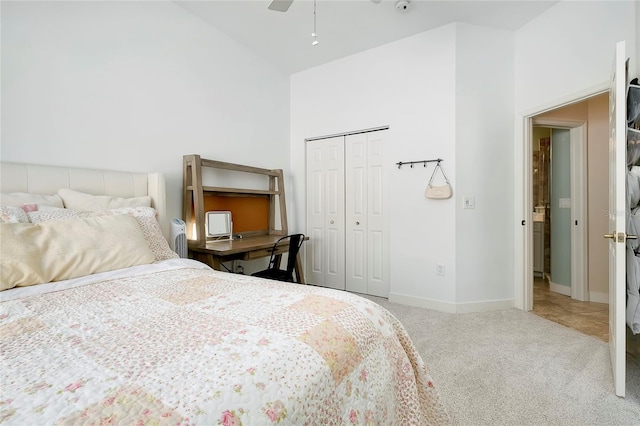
column 484, row 170
column 134, row 86
column 579, row 38
column 444, row 93
column 410, row 86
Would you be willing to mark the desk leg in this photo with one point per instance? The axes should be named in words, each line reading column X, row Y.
column 208, row 259
column 215, row 262
column 299, row 270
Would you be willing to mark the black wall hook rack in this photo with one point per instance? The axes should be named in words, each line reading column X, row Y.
column 424, row 162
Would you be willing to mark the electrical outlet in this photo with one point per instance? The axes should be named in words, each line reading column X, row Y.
column 440, row 269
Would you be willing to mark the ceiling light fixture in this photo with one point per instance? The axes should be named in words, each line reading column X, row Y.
column 314, row 34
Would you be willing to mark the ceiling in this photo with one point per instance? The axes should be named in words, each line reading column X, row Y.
column 345, row 27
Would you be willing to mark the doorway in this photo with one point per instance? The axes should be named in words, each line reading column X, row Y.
column 566, row 296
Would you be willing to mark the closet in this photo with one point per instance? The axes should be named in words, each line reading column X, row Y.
column 347, row 213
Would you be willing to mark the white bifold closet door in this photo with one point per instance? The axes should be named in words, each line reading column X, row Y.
column 325, row 213
column 347, row 221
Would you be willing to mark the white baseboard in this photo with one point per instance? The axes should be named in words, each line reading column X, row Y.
column 562, row 289
column 420, row 302
column 452, row 308
column 598, row 296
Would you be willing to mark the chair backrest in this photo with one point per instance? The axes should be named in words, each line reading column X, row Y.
column 294, row 248
column 295, row 242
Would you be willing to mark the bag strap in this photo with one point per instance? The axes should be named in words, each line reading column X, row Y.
column 438, row 166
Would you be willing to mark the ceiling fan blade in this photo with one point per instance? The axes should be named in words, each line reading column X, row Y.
column 280, row 5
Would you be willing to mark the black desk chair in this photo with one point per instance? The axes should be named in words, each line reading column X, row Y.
column 274, row 272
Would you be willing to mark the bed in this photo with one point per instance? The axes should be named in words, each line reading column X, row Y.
column 166, row 340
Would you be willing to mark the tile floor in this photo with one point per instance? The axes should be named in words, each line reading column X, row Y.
column 587, row 317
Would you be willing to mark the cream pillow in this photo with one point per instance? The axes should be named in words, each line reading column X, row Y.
column 59, row 250
column 82, row 201
column 146, row 217
column 20, row 198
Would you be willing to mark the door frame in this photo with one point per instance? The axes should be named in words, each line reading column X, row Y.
column 578, row 160
column 523, row 232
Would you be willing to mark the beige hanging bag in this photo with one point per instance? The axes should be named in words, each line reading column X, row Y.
column 438, row 192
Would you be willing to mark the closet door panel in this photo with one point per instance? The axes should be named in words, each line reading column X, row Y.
column 356, row 166
column 325, row 212
column 375, row 187
column 356, row 279
column 376, row 254
column 315, row 200
column 314, row 255
column 356, row 212
column 334, row 215
column 357, row 192
column 333, row 259
column 356, row 260
column 314, row 270
column 377, row 216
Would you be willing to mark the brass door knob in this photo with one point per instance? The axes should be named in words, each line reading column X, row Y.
column 621, row 237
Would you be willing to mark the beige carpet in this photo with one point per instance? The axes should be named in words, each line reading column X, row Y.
column 511, row 367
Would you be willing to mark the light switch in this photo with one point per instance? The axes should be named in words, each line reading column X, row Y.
column 468, row 202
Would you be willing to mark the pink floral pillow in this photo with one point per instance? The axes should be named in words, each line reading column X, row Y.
column 13, row 214
column 49, row 215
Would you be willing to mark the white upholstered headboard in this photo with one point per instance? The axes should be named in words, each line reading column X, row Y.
column 46, row 180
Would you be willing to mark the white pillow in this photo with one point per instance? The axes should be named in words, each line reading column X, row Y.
column 96, row 203
column 60, row 250
column 20, row 198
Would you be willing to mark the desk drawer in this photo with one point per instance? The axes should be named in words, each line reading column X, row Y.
column 256, row 254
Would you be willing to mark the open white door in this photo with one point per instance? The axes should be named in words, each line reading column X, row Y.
column 617, row 218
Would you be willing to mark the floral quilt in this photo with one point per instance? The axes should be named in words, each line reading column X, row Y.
column 202, row 347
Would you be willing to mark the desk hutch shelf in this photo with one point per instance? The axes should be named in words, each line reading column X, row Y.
column 253, row 210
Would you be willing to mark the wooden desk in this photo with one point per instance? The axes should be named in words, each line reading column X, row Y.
column 247, row 248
